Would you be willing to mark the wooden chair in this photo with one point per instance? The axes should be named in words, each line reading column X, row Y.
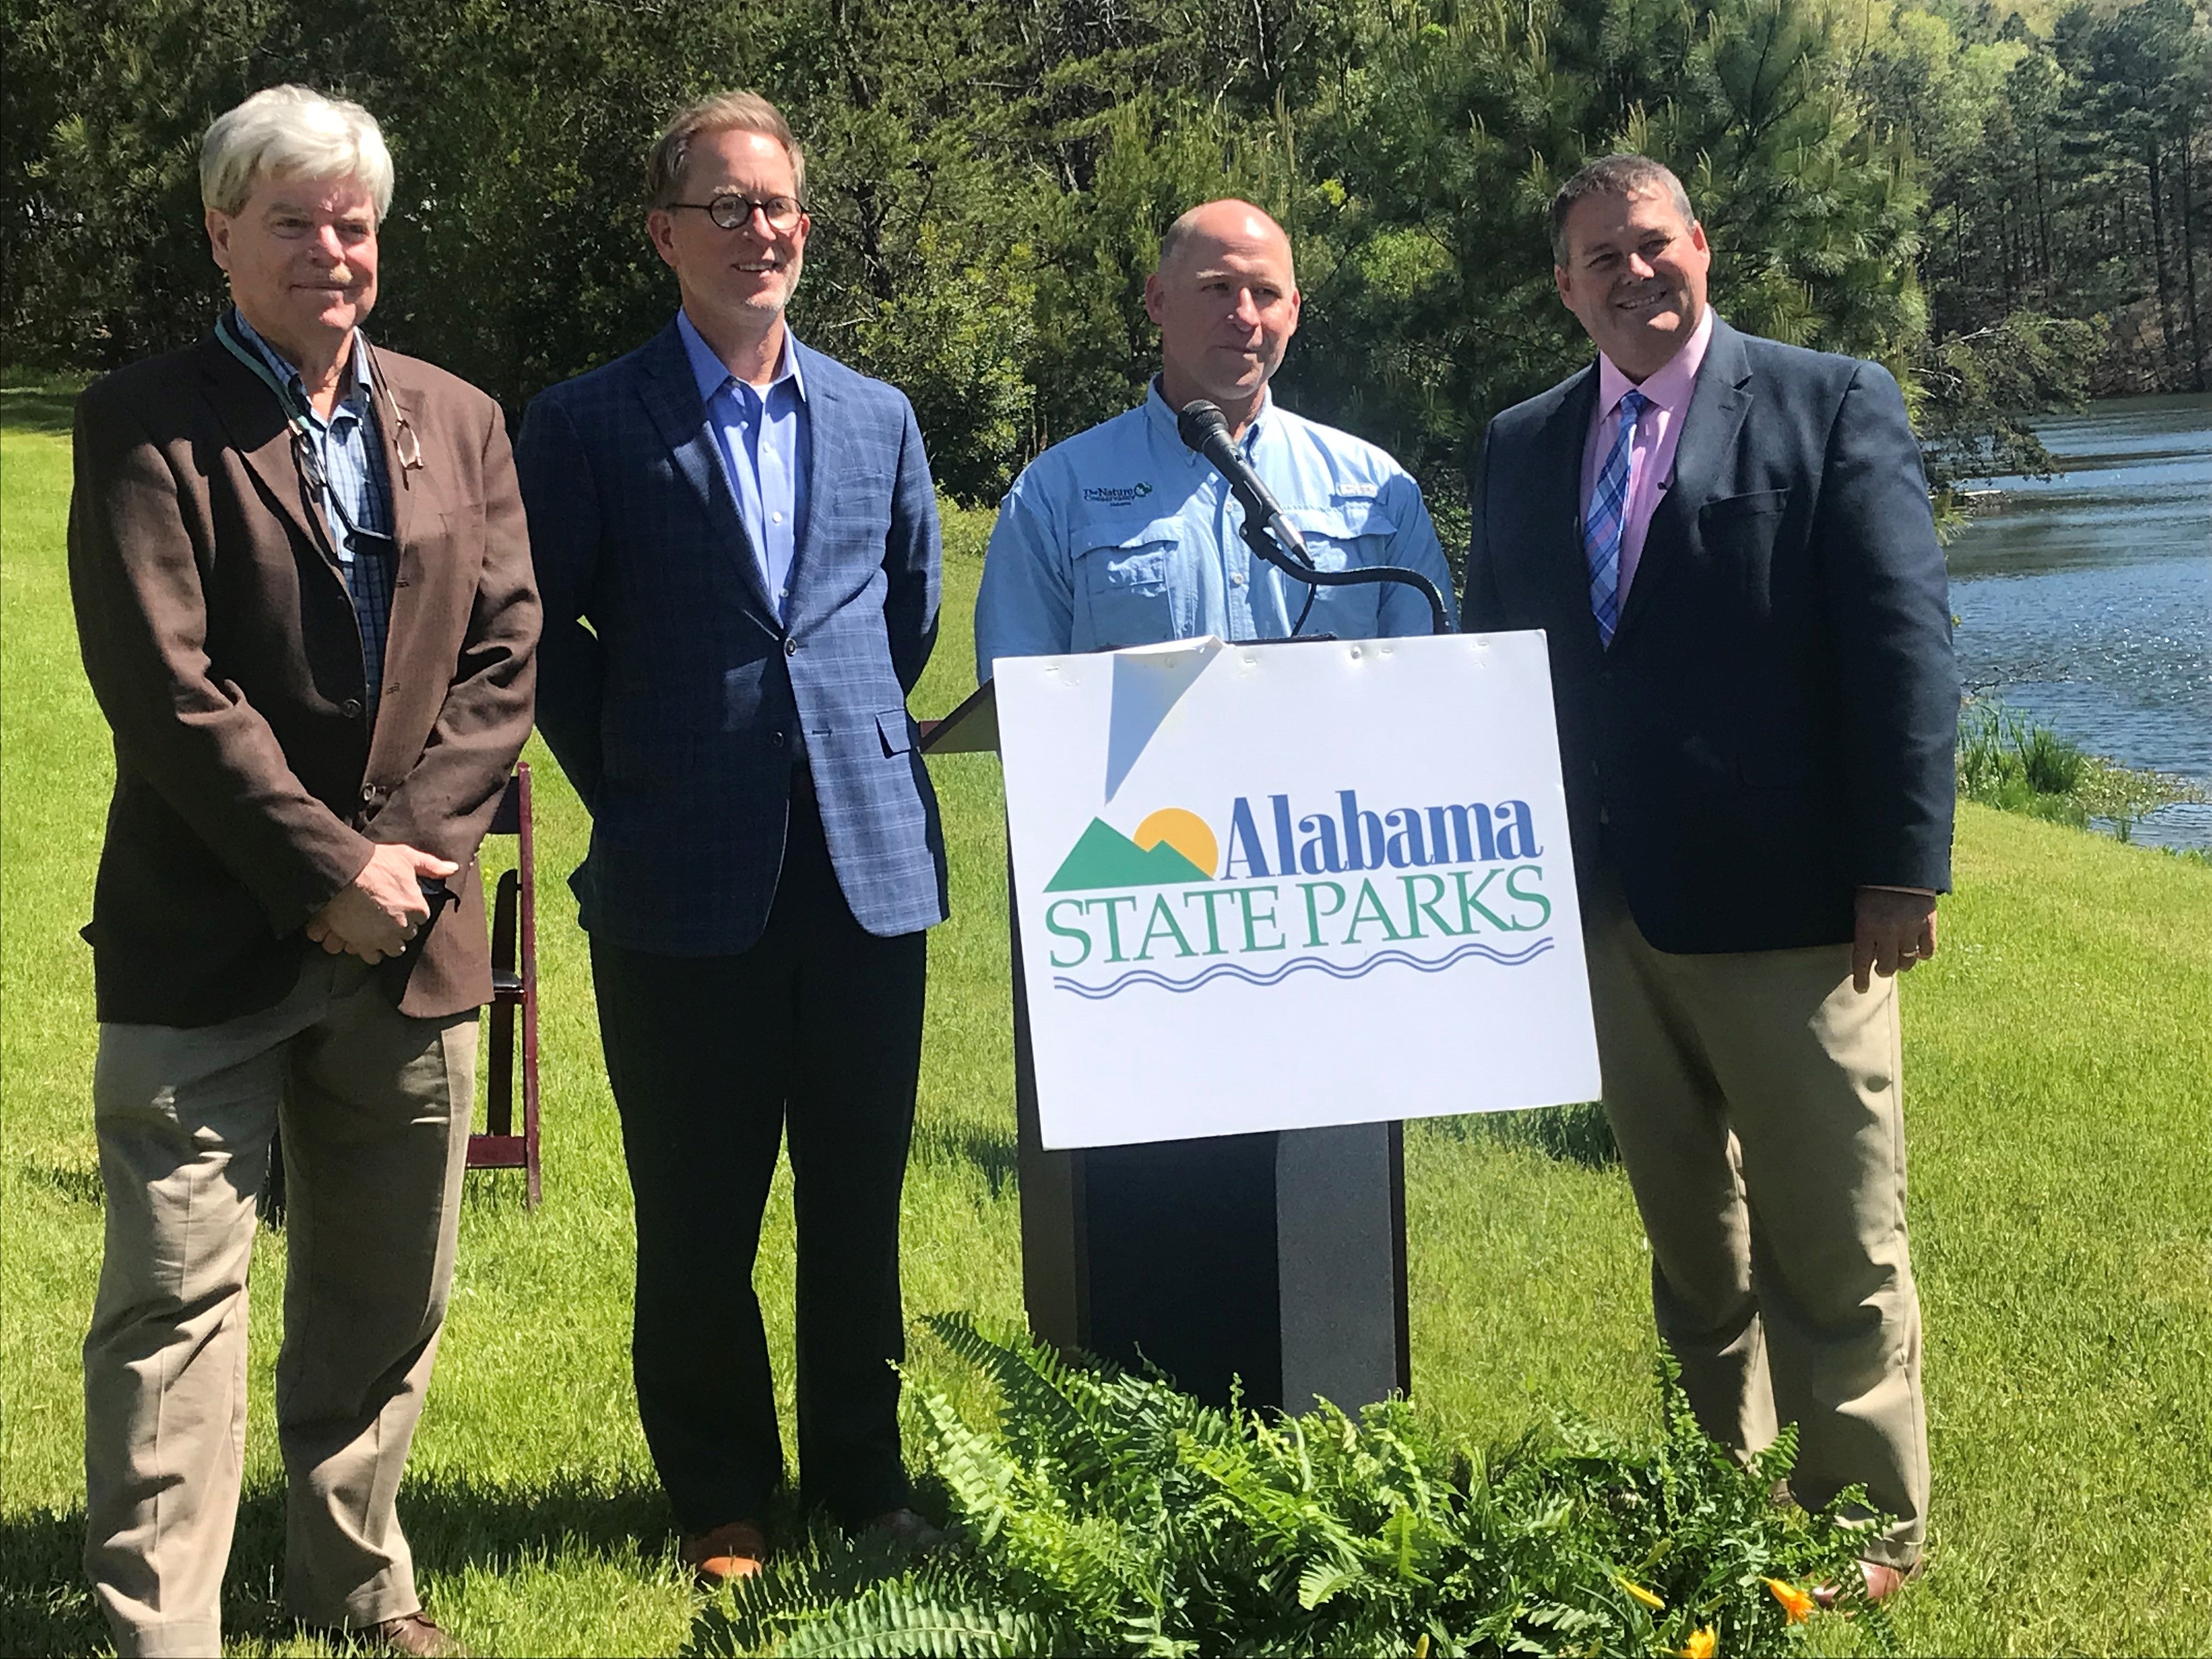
column 513, row 991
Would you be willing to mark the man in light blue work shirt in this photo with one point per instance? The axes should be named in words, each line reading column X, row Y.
column 1122, row 536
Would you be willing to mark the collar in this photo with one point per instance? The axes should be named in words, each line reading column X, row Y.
column 711, row 374
column 1157, row 411
column 1670, row 385
column 287, row 374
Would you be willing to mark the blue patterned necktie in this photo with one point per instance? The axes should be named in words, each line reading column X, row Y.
column 1608, row 511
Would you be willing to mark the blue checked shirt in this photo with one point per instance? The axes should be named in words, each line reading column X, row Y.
column 350, row 447
column 1122, row 536
column 766, row 442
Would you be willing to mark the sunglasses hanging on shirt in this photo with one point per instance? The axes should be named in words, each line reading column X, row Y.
column 307, row 451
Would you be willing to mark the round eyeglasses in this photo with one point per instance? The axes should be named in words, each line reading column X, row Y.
column 731, row 210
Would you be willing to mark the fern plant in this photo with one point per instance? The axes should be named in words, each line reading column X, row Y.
column 1107, row 1513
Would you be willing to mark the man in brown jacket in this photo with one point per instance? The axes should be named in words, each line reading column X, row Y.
column 304, row 596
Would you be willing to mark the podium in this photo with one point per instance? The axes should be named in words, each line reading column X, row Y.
column 1264, row 906
column 1277, row 1259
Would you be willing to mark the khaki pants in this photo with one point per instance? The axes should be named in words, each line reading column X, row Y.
column 1756, row 1098
column 376, row 1109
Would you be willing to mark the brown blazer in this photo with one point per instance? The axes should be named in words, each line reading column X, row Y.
column 220, row 639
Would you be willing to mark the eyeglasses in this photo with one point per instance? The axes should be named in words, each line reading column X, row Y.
column 732, row 210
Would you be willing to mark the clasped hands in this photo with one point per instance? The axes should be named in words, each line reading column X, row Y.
column 380, row 911
column 1893, row 930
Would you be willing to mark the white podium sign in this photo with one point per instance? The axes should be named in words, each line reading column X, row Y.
column 1281, row 886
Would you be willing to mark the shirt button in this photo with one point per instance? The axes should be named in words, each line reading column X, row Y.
column 1238, row 578
column 791, row 647
column 775, row 518
column 350, row 709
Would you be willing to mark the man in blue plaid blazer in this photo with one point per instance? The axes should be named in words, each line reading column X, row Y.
column 737, row 539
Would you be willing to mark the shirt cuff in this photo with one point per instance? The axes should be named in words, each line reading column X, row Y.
column 1888, row 887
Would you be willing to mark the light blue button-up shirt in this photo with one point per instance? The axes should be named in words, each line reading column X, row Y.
column 766, row 441
column 1122, row 536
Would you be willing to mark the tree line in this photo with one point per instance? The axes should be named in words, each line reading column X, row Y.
column 2004, row 207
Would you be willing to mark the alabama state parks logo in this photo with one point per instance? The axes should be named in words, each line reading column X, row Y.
column 1342, row 891
column 1171, row 845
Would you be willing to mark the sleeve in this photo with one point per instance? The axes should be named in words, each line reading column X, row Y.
column 561, row 499
column 1414, row 546
column 1025, row 605
column 143, row 628
column 913, row 559
column 1480, row 608
column 446, row 803
column 1888, row 602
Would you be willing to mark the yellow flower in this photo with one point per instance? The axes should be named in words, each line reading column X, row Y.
column 1644, row 1596
column 1701, row 1644
column 1794, row 1602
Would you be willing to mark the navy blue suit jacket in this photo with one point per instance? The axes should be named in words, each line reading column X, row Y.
column 1773, row 724
column 672, row 696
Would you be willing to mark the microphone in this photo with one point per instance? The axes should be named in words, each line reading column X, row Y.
column 1272, row 537
column 1205, row 429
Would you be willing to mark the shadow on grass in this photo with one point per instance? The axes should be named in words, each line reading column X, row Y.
column 45, row 1605
column 78, row 1183
column 453, row 1523
column 991, row 1150
column 1572, row 1135
column 38, row 404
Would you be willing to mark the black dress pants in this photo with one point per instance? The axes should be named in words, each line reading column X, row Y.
column 816, row 1030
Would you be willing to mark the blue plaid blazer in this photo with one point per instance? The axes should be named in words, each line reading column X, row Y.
column 675, row 700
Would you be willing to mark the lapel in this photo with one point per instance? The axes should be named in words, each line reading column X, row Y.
column 413, row 518
column 1718, row 404
column 825, row 432
column 1557, row 456
column 249, row 412
column 671, row 392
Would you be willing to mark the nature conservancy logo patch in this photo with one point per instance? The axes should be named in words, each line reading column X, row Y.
column 1342, row 891
column 1116, row 494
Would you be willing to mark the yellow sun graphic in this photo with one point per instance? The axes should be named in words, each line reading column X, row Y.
column 1186, row 832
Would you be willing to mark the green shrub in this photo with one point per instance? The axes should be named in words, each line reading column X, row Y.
column 2008, row 761
column 1110, row 1514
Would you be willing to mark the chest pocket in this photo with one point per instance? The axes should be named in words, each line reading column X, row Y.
column 1124, row 588
column 1345, row 535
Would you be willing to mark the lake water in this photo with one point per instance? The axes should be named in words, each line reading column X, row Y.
column 2086, row 599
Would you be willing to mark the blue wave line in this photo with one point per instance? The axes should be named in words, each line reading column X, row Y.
column 1381, row 959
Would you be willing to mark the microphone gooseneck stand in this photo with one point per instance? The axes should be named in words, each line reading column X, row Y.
column 1203, row 428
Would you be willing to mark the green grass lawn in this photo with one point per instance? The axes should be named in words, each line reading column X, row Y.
column 2059, row 1087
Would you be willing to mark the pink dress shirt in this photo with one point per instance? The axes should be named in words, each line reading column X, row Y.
column 1651, row 454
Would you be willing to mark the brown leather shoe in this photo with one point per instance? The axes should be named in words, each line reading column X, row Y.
column 736, row 1549
column 1883, row 1581
column 417, row 1635
column 908, row 1531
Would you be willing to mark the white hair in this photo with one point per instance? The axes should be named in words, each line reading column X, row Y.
column 292, row 132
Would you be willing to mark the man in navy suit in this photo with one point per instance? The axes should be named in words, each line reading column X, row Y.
column 737, row 539
column 1728, row 544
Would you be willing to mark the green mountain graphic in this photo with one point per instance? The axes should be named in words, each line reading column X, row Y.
column 1105, row 857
